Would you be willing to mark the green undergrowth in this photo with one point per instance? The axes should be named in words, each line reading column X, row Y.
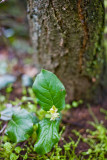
column 96, row 138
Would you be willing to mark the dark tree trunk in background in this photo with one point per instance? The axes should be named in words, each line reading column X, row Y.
column 67, row 36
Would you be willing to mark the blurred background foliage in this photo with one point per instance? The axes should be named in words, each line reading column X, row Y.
column 13, row 21
column 16, row 53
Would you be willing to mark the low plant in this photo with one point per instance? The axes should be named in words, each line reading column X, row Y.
column 96, row 140
column 50, row 94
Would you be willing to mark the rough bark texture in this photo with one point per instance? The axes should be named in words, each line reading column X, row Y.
column 67, row 37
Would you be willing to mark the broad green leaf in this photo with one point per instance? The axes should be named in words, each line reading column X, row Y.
column 7, row 113
column 48, row 136
column 49, row 91
column 20, row 126
column 34, row 118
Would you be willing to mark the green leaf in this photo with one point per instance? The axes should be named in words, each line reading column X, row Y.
column 47, row 136
column 20, row 126
column 34, row 118
column 13, row 156
column 8, row 147
column 18, row 149
column 49, row 91
column 7, row 113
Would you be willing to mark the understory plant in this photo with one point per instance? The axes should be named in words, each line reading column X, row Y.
column 50, row 94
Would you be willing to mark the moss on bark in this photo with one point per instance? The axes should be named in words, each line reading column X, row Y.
column 67, row 36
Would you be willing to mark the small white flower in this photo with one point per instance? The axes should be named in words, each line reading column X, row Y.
column 54, row 116
column 53, row 112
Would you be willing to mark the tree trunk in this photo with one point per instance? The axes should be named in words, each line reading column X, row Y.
column 67, row 36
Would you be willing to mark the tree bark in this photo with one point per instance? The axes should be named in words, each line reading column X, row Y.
column 67, row 36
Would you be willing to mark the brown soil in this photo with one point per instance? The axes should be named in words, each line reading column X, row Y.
column 79, row 119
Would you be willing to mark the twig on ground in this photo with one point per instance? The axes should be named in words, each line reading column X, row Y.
column 3, row 128
column 3, row 131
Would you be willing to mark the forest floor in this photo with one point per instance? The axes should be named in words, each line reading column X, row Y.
column 17, row 59
column 75, row 127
